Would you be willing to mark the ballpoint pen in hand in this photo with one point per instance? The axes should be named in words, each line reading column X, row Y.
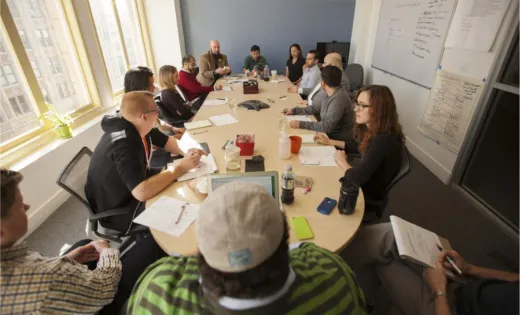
column 452, row 263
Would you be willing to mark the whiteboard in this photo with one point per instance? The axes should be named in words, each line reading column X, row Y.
column 410, row 37
column 449, row 109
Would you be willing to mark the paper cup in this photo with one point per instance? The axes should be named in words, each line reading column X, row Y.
column 274, row 73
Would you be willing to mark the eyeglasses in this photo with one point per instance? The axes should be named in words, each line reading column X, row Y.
column 358, row 106
column 152, row 111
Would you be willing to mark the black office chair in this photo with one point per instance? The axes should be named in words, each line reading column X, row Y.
column 377, row 207
column 355, row 76
column 170, row 116
column 73, row 179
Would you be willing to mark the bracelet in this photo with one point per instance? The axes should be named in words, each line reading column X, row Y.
column 436, row 294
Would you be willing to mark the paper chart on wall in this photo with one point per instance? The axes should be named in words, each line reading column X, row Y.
column 449, row 109
column 475, row 24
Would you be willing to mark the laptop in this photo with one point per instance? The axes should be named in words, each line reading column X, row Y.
column 267, row 179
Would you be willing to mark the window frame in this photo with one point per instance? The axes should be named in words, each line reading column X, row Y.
column 143, row 32
column 25, row 144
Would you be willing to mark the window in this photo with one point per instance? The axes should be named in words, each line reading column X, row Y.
column 9, row 75
column 117, row 26
column 23, row 37
column 36, row 69
column 2, row 49
column 34, row 8
column 23, row 104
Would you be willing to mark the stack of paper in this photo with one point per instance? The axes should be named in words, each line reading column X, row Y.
column 197, row 124
column 297, row 117
column 163, row 214
column 206, row 166
column 215, row 102
column 222, row 120
column 322, row 156
column 307, row 139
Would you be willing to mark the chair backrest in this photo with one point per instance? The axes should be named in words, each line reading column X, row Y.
column 73, row 178
column 168, row 115
column 355, row 76
column 181, row 93
column 406, row 168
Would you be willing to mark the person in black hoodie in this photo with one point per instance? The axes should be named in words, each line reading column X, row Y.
column 119, row 174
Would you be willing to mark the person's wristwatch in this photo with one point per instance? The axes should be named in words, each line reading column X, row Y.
column 436, row 294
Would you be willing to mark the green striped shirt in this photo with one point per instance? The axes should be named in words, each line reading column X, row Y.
column 324, row 284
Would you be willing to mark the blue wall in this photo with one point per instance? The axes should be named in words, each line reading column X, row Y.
column 272, row 24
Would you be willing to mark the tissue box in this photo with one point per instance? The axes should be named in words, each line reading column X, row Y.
column 250, row 87
column 247, row 147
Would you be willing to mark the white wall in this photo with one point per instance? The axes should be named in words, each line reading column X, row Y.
column 166, row 32
column 411, row 99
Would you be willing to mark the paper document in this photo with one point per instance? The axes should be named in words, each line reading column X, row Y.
column 416, row 243
column 187, row 142
column 197, row 124
column 234, row 81
column 277, row 80
column 206, row 166
column 215, row 102
column 163, row 214
column 307, row 139
column 475, row 24
column 297, row 117
column 226, row 89
column 222, row 120
column 322, row 154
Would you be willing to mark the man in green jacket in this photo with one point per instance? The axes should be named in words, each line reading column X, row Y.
column 246, row 266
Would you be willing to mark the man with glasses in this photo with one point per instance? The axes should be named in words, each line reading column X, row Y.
column 337, row 116
column 119, row 175
column 189, row 84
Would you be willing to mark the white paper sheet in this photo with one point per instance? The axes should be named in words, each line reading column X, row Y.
column 297, row 117
column 226, row 89
column 277, row 81
column 415, row 242
column 325, row 155
column 449, row 109
column 163, row 214
column 215, row 102
column 187, row 142
column 307, row 139
column 222, row 120
column 206, row 166
column 197, row 124
column 475, row 24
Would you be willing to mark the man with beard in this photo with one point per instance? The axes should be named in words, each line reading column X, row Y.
column 213, row 65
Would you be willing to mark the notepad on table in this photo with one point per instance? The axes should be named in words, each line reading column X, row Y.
column 416, row 243
column 197, row 124
column 222, row 120
column 226, row 89
column 307, row 139
column 322, row 155
column 215, row 102
column 164, row 212
column 207, row 165
column 297, row 117
column 277, row 80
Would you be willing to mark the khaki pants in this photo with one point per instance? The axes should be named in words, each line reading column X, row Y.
column 373, row 256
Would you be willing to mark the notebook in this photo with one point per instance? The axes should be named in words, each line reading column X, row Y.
column 416, row 243
column 197, row 124
column 206, row 166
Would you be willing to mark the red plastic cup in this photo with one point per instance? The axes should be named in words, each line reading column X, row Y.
column 296, row 144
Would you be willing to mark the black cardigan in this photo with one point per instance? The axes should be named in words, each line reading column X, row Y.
column 173, row 107
column 378, row 167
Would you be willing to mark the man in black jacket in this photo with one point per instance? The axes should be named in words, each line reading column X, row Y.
column 119, row 175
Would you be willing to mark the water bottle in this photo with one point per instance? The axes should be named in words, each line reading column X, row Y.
column 348, row 195
column 247, row 73
column 266, row 72
column 284, row 146
column 288, row 178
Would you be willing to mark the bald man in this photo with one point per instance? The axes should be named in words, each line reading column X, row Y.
column 119, row 175
column 212, row 65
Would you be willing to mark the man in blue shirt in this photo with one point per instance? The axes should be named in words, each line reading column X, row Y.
column 311, row 75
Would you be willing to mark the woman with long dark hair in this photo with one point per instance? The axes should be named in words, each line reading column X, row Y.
column 294, row 65
column 379, row 140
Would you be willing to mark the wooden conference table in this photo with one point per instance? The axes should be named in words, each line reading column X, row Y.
column 332, row 232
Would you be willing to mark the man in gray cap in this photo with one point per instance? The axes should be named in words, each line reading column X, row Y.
column 245, row 266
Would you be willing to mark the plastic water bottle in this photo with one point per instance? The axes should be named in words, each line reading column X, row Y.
column 247, row 73
column 288, row 178
column 284, row 146
column 266, row 72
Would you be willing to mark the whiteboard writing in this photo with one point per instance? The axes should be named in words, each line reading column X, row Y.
column 475, row 24
column 449, row 109
column 410, row 37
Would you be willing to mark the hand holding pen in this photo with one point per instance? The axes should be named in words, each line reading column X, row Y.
column 452, row 260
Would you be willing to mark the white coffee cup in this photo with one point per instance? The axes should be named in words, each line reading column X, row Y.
column 274, row 73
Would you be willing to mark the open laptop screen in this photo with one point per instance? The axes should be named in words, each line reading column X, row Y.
column 269, row 180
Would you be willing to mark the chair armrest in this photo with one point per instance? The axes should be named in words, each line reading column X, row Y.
column 108, row 213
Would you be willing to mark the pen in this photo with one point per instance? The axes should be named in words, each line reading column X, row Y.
column 198, row 133
column 182, row 211
column 282, row 96
column 452, row 263
column 221, row 99
column 225, row 144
